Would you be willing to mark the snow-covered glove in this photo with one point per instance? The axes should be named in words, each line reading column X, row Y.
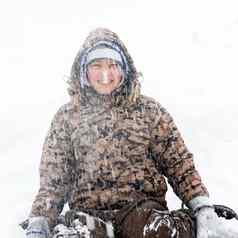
column 209, row 225
column 38, row 228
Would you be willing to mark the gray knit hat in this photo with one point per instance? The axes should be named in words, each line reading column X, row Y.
column 104, row 53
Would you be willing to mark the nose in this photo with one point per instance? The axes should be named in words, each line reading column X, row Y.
column 106, row 69
column 105, row 76
column 104, row 73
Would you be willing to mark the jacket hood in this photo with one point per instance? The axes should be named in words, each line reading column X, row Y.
column 81, row 93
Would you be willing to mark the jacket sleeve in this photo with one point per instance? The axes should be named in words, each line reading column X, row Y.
column 55, row 171
column 174, row 159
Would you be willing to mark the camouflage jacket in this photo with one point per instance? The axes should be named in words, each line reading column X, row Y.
column 101, row 151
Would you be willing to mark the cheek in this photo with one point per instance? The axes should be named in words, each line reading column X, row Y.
column 117, row 74
column 93, row 76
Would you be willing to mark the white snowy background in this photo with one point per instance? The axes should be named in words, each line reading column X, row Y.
column 187, row 51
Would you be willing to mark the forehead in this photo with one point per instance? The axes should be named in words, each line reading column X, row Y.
column 102, row 61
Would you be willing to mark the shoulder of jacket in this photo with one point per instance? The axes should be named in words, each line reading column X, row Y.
column 150, row 103
column 65, row 111
column 153, row 108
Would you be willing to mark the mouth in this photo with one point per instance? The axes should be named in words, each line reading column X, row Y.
column 105, row 81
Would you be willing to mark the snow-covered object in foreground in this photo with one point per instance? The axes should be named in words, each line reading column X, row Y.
column 64, row 231
column 84, row 226
column 80, row 230
column 162, row 218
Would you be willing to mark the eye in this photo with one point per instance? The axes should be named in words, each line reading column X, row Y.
column 95, row 66
column 113, row 65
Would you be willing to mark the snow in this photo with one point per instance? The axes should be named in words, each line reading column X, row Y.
column 186, row 50
column 159, row 220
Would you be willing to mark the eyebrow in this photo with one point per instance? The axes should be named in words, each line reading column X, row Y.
column 95, row 63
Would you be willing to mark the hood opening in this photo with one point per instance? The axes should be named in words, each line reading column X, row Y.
column 80, row 93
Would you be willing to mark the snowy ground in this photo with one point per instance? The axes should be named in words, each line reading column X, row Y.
column 187, row 51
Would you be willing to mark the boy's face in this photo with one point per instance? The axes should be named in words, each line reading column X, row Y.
column 104, row 75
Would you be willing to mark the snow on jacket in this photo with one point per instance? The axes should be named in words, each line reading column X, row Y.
column 105, row 150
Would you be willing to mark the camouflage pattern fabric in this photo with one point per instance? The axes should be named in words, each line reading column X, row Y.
column 104, row 151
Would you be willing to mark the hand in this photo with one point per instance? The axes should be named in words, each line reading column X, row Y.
column 210, row 226
column 38, row 228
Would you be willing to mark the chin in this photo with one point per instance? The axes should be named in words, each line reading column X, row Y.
column 105, row 93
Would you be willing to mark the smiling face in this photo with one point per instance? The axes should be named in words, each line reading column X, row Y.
column 104, row 75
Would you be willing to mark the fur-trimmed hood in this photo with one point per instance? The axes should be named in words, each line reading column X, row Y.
column 80, row 93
